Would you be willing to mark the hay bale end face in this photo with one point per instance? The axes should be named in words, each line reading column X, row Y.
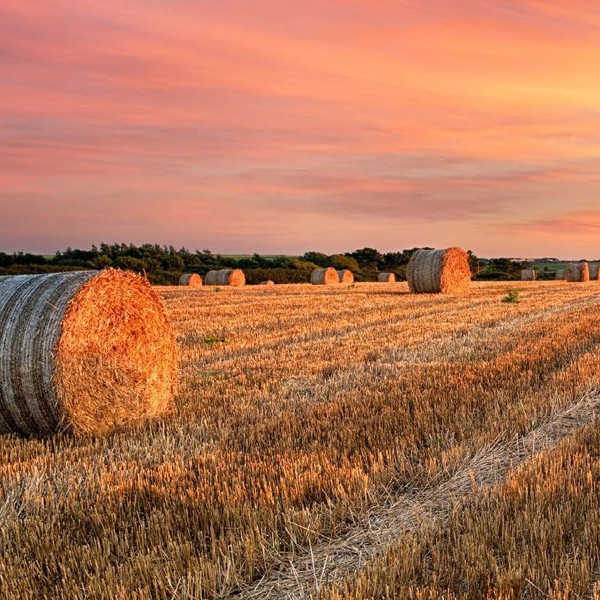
column 190, row 280
column 439, row 271
column 231, row 277
column 577, row 272
column 561, row 274
column 386, row 278
column 528, row 275
column 345, row 276
column 327, row 276
column 83, row 351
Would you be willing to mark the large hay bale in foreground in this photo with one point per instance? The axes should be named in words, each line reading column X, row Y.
column 561, row 274
column 528, row 275
column 232, row 277
column 328, row 276
column 191, row 280
column 594, row 272
column 83, row 351
column 386, row 278
column 439, row 271
column 345, row 276
column 577, row 272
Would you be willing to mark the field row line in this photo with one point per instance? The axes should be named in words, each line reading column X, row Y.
column 332, row 560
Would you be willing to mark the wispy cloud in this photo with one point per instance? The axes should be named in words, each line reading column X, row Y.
column 156, row 121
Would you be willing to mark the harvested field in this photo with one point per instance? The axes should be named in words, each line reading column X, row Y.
column 549, row 505
column 302, row 412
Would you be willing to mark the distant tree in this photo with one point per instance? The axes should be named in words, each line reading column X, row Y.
column 101, row 262
column 303, row 265
column 340, row 261
column 132, row 264
column 367, row 258
column 473, row 263
column 172, row 262
column 502, row 269
column 318, row 258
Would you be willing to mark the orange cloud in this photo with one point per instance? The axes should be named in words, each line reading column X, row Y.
column 121, row 116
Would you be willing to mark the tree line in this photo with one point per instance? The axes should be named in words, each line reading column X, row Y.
column 164, row 264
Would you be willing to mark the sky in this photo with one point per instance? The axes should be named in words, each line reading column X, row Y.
column 283, row 126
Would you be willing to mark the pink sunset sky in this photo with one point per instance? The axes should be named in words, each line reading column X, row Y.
column 280, row 126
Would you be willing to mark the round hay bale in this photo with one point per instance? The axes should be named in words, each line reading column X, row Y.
column 439, row 271
column 233, row 277
column 345, row 276
column 83, row 351
column 594, row 272
column 561, row 274
column 386, row 278
column 528, row 275
column 269, row 282
column 578, row 272
column 191, row 280
column 328, row 276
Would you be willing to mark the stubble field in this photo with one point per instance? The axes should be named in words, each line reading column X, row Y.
column 347, row 442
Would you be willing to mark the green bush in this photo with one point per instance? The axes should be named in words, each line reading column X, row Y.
column 512, row 297
column 255, row 276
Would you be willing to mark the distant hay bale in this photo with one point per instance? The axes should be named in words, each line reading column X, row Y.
column 386, row 278
column 345, row 276
column 269, row 282
column 327, row 276
column 528, row 275
column 439, row 271
column 83, row 351
column 561, row 274
column 594, row 272
column 577, row 272
column 232, row 277
column 191, row 280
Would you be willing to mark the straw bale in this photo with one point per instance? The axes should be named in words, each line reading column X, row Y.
column 190, row 280
column 327, row 276
column 232, row 277
column 83, row 351
column 439, row 271
column 345, row 276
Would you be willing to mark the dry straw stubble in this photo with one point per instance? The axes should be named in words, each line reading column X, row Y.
column 439, row 271
column 84, row 351
column 232, row 277
column 328, row 276
column 190, row 280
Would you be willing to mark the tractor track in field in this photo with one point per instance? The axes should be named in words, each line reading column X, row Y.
column 331, row 560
